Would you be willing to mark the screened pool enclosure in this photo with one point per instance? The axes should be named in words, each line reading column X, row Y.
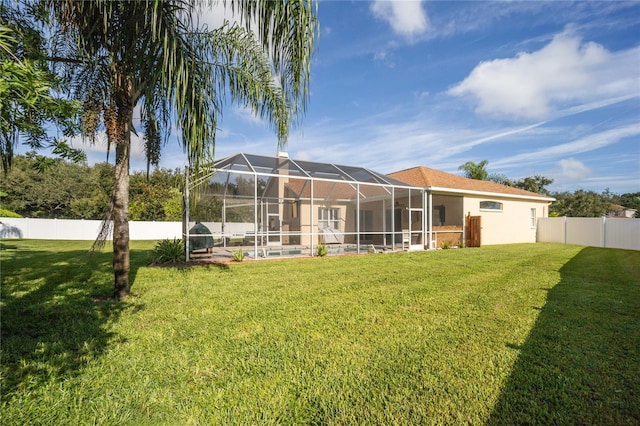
column 271, row 206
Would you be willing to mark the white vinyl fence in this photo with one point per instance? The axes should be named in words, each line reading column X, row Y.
column 590, row 231
column 69, row 229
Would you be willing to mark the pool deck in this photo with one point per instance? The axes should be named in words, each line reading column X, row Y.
column 225, row 254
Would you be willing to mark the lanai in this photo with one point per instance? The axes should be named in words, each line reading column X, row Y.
column 270, row 205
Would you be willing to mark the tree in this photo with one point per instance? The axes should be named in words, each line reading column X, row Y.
column 95, row 204
column 536, row 183
column 47, row 195
column 172, row 206
column 475, row 171
column 579, row 204
column 149, row 194
column 121, row 54
column 501, row 179
column 76, row 191
column 26, row 86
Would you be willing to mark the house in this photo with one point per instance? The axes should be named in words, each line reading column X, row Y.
column 500, row 214
column 616, row 210
column 278, row 205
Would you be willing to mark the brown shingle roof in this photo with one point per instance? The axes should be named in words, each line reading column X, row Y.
column 425, row 177
column 616, row 207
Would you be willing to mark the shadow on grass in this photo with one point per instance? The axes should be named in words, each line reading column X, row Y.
column 581, row 362
column 55, row 313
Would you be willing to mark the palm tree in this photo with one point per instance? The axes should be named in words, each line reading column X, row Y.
column 475, row 171
column 149, row 53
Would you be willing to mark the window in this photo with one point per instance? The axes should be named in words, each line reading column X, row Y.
column 329, row 217
column 293, row 210
column 533, row 218
column 490, row 205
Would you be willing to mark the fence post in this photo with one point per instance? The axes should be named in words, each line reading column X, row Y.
column 604, row 231
column 564, row 229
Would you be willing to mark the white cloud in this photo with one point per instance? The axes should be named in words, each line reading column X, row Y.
column 383, row 56
column 97, row 151
column 407, row 18
column 564, row 73
column 574, row 169
column 100, row 145
column 422, row 95
column 393, row 140
column 380, row 55
column 246, row 114
column 215, row 15
column 396, row 139
column 588, row 143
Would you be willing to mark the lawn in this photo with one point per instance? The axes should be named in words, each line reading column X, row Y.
column 519, row 334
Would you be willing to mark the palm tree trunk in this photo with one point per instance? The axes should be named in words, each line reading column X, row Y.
column 118, row 122
column 121, row 221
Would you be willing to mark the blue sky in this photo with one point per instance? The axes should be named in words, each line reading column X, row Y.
column 550, row 88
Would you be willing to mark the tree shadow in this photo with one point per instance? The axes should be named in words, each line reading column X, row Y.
column 580, row 363
column 55, row 316
column 9, row 231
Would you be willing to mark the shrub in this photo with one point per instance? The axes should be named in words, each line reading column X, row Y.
column 322, row 250
column 8, row 213
column 169, row 251
column 446, row 244
column 238, row 255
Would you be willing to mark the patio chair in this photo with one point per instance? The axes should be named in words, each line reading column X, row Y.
column 406, row 239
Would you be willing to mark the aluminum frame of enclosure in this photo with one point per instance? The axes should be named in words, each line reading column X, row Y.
column 277, row 206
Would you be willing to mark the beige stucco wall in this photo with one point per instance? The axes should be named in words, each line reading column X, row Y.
column 512, row 224
column 346, row 222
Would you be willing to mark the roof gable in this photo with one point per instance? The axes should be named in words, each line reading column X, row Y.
column 426, row 177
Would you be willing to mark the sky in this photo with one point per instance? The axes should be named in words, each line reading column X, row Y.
column 534, row 88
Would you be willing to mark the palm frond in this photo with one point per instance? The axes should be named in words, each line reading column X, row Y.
column 287, row 30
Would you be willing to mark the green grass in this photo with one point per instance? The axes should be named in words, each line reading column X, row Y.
column 518, row 334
